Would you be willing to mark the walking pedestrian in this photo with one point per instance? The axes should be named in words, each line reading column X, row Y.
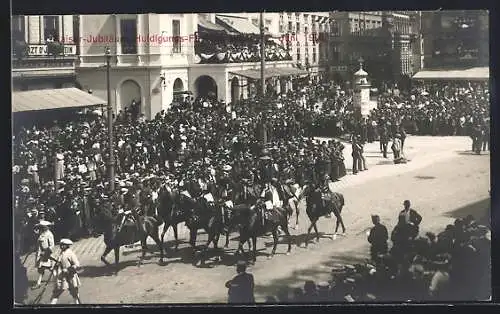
column 377, row 237
column 45, row 249
column 66, row 273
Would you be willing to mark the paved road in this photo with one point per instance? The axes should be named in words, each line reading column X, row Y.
column 440, row 178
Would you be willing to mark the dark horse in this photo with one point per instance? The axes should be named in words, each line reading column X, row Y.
column 173, row 209
column 210, row 217
column 132, row 230
column 252, row 225
column 316, row 207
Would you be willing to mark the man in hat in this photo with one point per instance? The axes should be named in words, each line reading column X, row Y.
column 66, row 273
column 241, row 287
column 377, row 237
column 412, row 218
column 384, row 140
column 396, row 147
column 45, row 249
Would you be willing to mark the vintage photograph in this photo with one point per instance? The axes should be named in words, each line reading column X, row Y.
column 251, row 158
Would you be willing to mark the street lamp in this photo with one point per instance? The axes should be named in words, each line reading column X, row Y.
column 111, row 159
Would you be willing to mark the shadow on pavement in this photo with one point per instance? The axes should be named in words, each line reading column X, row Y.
column 471, row 153
column 481, row 211
column 298, row 277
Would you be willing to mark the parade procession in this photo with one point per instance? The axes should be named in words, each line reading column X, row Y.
column 172, row 164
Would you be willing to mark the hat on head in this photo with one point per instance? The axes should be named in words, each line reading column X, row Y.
column 44, row 223
column 66, row 242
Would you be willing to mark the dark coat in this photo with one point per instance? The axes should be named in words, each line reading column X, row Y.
column 241, row 289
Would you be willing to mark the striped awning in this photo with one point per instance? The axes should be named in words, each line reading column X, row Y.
column 46, row 99
column 476, row 74
column 206, row 25
column 238, row 24
column 254, row 74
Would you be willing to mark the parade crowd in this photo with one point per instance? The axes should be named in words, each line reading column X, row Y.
column 60, row 172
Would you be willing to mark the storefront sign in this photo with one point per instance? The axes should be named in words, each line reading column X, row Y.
column 42, row 50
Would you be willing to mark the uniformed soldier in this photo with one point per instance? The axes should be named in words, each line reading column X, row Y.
column 241, row 287
column 45, row 249
column 66, row 274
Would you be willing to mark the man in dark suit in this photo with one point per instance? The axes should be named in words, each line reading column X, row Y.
column 377, row 237
column 384, row 140
column 241, row 287
column 412, row 218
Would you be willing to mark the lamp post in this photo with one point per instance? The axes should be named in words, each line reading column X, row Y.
column 262, row 77
column 111, row 159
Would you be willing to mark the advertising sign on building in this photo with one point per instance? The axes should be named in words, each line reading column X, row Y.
column 42, row 50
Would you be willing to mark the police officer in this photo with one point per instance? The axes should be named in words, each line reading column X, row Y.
column 66, row 273
column 241, row 287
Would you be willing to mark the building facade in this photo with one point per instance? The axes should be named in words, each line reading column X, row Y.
column 383, row 39
column 455, row 39
column 43, row 52
column 153, row 56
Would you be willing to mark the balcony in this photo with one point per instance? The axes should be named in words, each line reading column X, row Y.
column 42, row 60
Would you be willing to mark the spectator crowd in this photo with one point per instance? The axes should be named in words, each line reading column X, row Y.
column 453, row 265
column 60, row 171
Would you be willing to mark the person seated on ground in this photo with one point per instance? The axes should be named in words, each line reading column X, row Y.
column 439, row 288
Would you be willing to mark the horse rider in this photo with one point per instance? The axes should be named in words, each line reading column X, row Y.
column 324, row 188
column 65, row 270
column 45, row 249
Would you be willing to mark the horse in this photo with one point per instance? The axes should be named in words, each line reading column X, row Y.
column 209, row 216
column 315, row 209
column 172, row 210
column 252, row 224
column 123, row 230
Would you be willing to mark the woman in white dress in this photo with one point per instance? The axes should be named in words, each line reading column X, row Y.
column 59, row 166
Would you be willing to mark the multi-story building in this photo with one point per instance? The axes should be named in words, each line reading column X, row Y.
column 153, row 56
column 383, row 39
column 455, row 39
column 43, row 52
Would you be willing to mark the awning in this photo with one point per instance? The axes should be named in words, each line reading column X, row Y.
column 206, row 25
column 254, row 74
column 238, row 24
column 475, row 74
column 45, row 99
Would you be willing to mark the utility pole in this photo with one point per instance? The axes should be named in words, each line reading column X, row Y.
column 111, row 160
column 262, row 78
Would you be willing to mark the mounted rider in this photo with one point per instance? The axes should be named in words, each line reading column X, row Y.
column 323, row 186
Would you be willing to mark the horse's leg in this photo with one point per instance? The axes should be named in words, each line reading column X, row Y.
column 275, row 242
column 216, row 246
column 316, row 230
column 227, row 238
column 154, row 236
column 165, row 229
column 144, row 247
column 104, row 254
column 117, row 258
column 174, row 226
column 309, row 231
column 254, row 243
column 289, row 240
column 340, row 222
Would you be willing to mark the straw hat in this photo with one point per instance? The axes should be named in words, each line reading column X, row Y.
column 66, row 242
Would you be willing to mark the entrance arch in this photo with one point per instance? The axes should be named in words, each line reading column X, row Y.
column 178, row 85
column 206, row 86
column 130, row 92
column 235, row 90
